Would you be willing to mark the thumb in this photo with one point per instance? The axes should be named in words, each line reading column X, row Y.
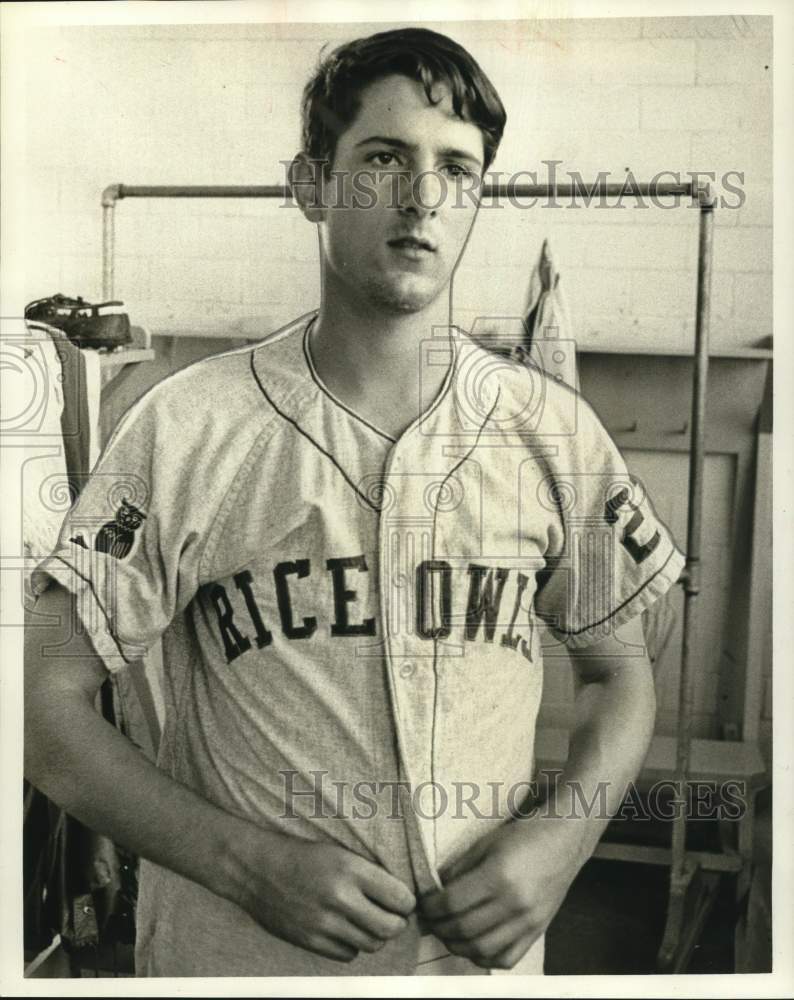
column 470, row 859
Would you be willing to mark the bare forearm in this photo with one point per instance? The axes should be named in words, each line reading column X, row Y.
column 615, row 708
column 609, row 741
column 95, row 773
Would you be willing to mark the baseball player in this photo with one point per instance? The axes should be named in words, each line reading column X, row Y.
column 359, row 540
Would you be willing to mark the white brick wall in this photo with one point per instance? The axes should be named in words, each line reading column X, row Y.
column 219, row 105
column 725, row 62
column 729, row 107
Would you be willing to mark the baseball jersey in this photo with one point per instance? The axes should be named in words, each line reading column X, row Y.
column 354, row 627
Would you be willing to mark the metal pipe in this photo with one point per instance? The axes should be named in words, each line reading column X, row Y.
column 108, row 249
column 694, row 523
column 509, row 190
column 110, row 196
column 198, row 191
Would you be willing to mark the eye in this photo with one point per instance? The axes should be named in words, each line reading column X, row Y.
column 457, row 170
column 383, row 158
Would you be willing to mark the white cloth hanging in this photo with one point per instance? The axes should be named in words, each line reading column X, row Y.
column 552, row 347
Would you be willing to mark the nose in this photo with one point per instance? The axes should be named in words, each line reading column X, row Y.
column 421, row 193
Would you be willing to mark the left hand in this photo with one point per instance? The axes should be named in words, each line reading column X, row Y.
column 502, row 894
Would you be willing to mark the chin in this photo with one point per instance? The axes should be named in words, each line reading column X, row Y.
column 401, row 300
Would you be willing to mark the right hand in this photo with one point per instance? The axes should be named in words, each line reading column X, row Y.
column 325, row 898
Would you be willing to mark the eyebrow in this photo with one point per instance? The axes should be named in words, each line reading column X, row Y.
column 458, row 154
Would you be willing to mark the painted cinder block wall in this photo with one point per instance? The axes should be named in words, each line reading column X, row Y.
column 219, row 105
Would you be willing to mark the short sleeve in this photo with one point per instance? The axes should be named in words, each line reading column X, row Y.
column 129, row 549
column 613, row 556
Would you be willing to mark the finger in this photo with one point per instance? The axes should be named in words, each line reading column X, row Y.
column 371, row 918
column 470, row 924
column 508, row 958
column 348, row 933
column 386, row 890
column 464, row 864
column 467, row 891
column 485, row 947
column 328, row 947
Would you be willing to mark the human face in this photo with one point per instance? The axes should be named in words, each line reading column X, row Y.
column 400, row 213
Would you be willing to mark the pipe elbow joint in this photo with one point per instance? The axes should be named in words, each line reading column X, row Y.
column 705, row 197
column 111, row 195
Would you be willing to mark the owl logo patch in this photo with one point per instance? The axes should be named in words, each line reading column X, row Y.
column 117, row 536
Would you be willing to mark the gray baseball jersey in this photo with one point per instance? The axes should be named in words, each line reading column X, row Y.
column 354, row 627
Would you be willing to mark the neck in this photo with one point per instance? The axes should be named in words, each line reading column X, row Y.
column 370, row 356
column 360, row 336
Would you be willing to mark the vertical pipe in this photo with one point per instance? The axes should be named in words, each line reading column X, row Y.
column 110, row 196
column 695, row 516
column 108, row 249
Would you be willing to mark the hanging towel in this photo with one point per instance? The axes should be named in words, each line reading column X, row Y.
column 549, row 342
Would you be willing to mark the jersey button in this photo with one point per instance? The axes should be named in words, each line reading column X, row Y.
column 406, row 670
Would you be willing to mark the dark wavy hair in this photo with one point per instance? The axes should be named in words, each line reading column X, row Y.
column 331, row 99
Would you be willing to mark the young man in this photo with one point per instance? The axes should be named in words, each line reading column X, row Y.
column 348, row 537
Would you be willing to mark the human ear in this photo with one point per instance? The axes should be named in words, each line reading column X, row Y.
column 305, row 178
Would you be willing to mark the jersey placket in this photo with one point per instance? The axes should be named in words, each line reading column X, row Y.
column 404, row 538
column 414, row 477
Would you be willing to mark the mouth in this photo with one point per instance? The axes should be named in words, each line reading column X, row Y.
column 412, row 245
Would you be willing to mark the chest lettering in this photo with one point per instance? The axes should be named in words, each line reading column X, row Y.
column 492, row 604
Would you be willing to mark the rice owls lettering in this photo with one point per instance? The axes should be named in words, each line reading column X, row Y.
column 490, row 604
